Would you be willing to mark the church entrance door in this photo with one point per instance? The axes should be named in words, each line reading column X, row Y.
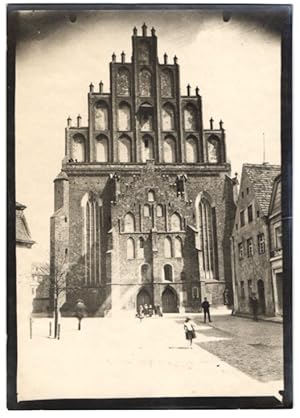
column 169, row 301
column 143, row 298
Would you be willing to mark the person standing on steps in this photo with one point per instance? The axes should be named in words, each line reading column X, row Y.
column 205, row 305
column 189, row 329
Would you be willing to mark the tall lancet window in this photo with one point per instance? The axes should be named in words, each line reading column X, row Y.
column 101, row 116
column 145, row 83
column 206, row 224
column 124, row 119
column 123, row 82
column 78, row 148
column 190, row 118
column 147, row 148
column 213, row 147
column 166, row 83
column 91, row 238
column 168, row 118
column 101, row 149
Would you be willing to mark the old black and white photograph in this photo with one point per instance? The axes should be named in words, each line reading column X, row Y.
column 149, row 181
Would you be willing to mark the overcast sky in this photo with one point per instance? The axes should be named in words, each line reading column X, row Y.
column 236, row 65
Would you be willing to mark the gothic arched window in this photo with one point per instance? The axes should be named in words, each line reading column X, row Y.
column 175, row 222
column 213, row 146
column 101, row 116
column 101, row 148
column 178, row 247
column 145, row 83
column 123, row 82
column 206, row 224
column 167, row 83
column 151, row 196
column 124, row 119
column 124, row 149
column 146, row 211
column 168, row 118
column 168, row 247
column 129, row 223
column 130, row 249
column 168, row 273
column 141, row 245
column 191, row 149
column 143, row 53
column 190, row 118
column 78, row 148
column 169, row 150
column 159, row 211
column 147, row 148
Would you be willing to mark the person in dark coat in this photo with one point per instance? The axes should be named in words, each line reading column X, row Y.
column 80, row 312
column 254, row 304
column 205, row 306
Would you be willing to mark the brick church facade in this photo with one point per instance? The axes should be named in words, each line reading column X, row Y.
column 144, row 202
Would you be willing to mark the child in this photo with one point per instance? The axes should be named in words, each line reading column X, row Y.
column 189, row 331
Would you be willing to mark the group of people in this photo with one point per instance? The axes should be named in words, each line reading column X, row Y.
column 148, row 311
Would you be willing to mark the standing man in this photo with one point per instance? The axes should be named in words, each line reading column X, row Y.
column 205, row 305
column 254, row 303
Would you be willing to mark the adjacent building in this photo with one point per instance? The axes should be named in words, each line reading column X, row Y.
column 275, row 228
column 24, row 244
column 144, row 201
column 251, row 246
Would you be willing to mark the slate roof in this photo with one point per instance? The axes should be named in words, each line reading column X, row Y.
column 262, row 178
column 22, row 231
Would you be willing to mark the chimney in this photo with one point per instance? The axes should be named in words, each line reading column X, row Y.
column 113, row 57
column 197, row 91
column 175, row 60
column 69, row 122
column 78, row 121
column 211, row 121
column 188, row 87
column 165, row 58
column 101, row 87
column 123, row 57
column 221, row 127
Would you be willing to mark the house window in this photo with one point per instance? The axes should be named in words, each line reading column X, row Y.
column 261, row 243
column 242, row 217
column 241, row 250
column 130, row 249
column 278, row 237
column 195, row 292
column 250, row 213
column 242, row 290
column 249, row 247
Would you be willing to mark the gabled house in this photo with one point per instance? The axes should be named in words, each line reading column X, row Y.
column 250, row 240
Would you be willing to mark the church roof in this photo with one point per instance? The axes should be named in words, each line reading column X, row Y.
column 22, row 230
column 262, row 178
column 62, row 176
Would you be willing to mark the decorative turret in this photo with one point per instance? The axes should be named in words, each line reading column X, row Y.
column 91, row 88
column 188, row 87
column 69, row 122
column 165, row 58
column 134, row 31
column 79, row 121
column 144, row 29
column 197, row 91
column 153, row 31
column 123, row 57
column 175, row 60
column 113, row 57
column 221, row 125
column 211, row 122
column 101, row 87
